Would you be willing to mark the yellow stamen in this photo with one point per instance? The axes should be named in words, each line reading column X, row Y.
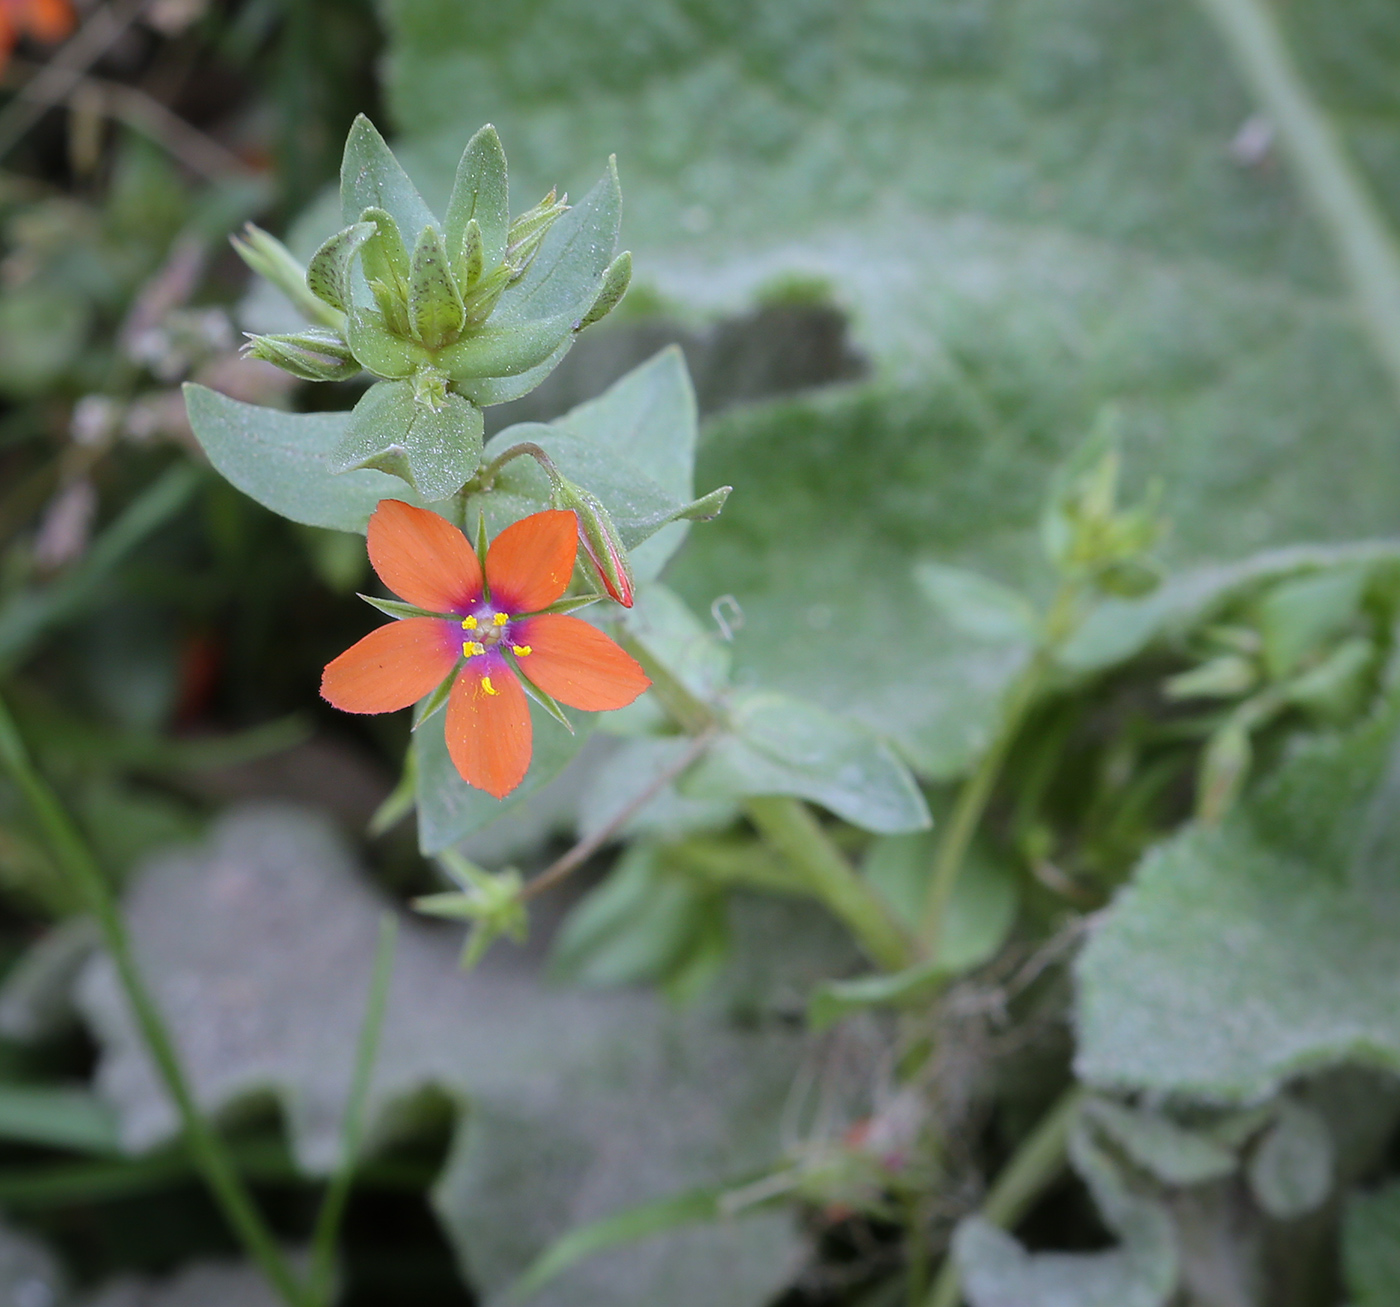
column 469, row 623
column 501, row 619
column 471, row 648
column 487, row 686
column 520, row 650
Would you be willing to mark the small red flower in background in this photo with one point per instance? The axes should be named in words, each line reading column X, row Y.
column 44, row 20
column 491, row 631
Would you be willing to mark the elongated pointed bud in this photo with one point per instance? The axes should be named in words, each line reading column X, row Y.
column 313, row 355
column 528, row 231
column 615, row 282
column 473, row 259
column 269, row 258
column 604, row 554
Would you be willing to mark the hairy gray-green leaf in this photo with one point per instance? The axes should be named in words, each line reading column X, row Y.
column 434, row 449
column 577, row 1105
column 1291, row 1169
column 285, row 461
column 1245, row 954
column 1152, row 1140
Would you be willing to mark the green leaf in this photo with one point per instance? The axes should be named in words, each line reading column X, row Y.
column 779, row 745
column 285, row 461
column 57, row 1116
column 1244, row 955
column 835, row 999
column 1290, row 1173
column 980, row 913
column 435, row 304
column 1371, row 1246
column 480, row 192
column 1296, row 617
column 449, row 809
column 627, row 773
column 371, row 178
column 328, row 273
column 976, row 605
column 434, row 450
column 504, row 349
column 379, row 350
column 1173, row 1153
column 564, row 278
column 1141, row 1272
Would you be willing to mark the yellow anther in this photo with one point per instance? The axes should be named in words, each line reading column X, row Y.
column 520, row 650
column 471, row 648
column 469, row 623
column 487, row 686
column 501, row 619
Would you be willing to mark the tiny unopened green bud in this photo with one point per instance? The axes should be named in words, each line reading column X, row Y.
column 603, row 554
column 527, row 232
column 615, row 282
column 1226, row 677
column 473, row 256
column 486, row 294
column 1127, row 579
column 387, row 267
column 316, row 354
column 269, row 258
column 430, row 388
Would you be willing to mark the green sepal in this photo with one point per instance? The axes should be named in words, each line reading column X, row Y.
column 379, row 350
column 480, row 193
column 272, row 260
column 545, row 700
column 573, row 603
column 328, row 273
column 472, row 262
column 615, row 282
column 371, row 178
column 486, row 294
column 435, row 311
column 504, row 351
column 387, row 267
column 435, row 450
column 427, row 707
column 316, row 354
column 528, row 231
column 396, row 608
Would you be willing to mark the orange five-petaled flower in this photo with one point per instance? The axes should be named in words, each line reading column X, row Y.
column 489, row 631
column 44, row 20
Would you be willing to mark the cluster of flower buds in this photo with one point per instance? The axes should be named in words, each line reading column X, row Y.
column 451, row 316
column 1086, row 535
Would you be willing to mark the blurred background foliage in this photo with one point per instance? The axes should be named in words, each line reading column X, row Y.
column 912, row 250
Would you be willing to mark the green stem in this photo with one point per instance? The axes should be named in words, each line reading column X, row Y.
column 204, row 1145
column 321, row 1279
column 1336, row 189
column 1033, row 1168
column 788, row 824
column 976, row 791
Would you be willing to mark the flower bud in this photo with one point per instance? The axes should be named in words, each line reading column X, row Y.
column 603, row 553
column 269, row 258
column 313, row 355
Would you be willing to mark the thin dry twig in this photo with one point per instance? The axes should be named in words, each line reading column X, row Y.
column 586, row 848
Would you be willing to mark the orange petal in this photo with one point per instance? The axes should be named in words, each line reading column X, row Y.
column 529, row 564
column 577, row 663
column 488, row 729
column 392, row 667
column 423, row 558
column 50, row 20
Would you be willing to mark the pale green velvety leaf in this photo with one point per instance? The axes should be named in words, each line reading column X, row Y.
column 1243, row 955
column 779, row 745
column 1371, row 1246
column 1171, row 1152
column 579, row 1105
column 284, row 461
column 997, row 1271
column 449, row 809
column 1027, row 210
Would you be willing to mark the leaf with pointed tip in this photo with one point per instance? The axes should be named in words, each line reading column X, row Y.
column 328, row 273
column 286, row 461
column 615, row 283
column 503, row 349
column 434, row 302
column 480, row 193
column 566, row 275
column 434, row 450
column 371, row 178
